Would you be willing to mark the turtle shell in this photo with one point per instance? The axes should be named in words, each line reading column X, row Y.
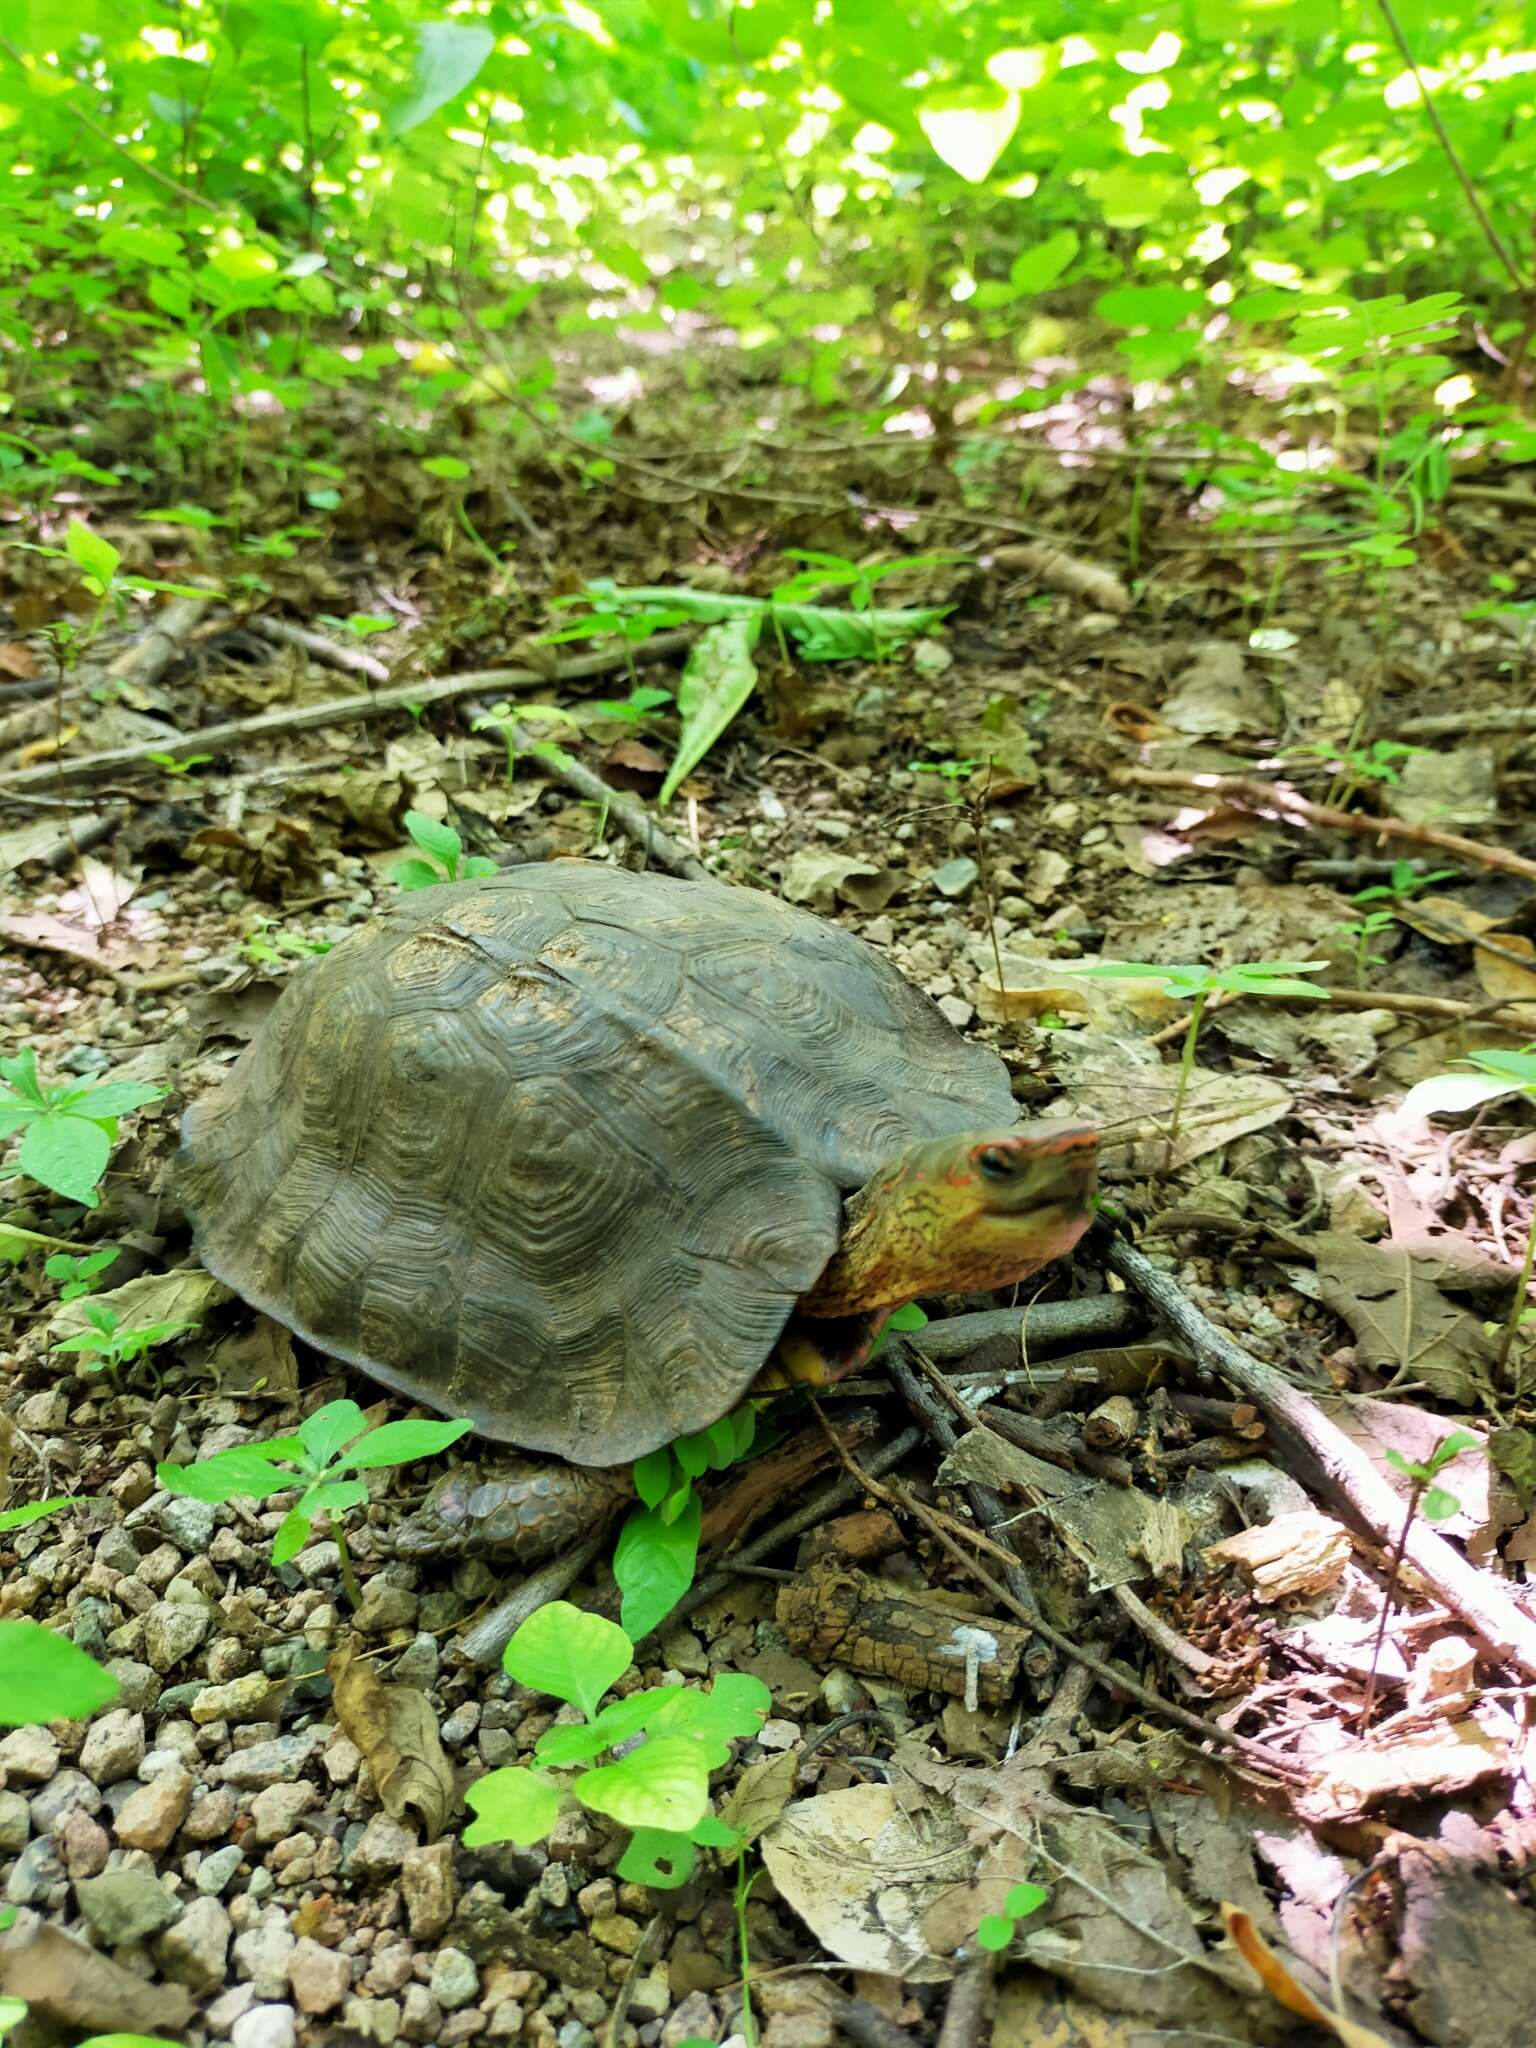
column 558, row 1150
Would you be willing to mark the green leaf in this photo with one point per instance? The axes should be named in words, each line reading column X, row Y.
column 449, row 55
column 44, row 1677
column 435, row 838
column 292, row 1535
column 112, row 1098
column 12, row 2010
column 34, row 1511
column 324, row 1433
column 66, row 1153
column 652, row 1475
column 994, row 1932
column 718, row 678
column 615, row 1724
column 451, row 468
column 563, row 1650
column 653, row 1564
column 19, row 1072
column 662, row 1784
column 245, row 1471
column 693, row 1453
column 737, row 1704
column 1024, row 1899
column 1437, row 1505
column 660, row 1858
column 1032, row 270
column 514, row 1805
column 95, row 557
column 969, row 129
column 397, row 1443
column 327, row 1496
column 416, row 874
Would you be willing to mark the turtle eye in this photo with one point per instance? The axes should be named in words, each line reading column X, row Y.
column 993, row 1162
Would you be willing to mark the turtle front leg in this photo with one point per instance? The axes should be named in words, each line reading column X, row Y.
column 527, row 1509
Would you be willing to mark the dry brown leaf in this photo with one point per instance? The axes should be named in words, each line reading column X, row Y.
column 44, row 749
column 184, row 1296
column 395, row 1728
column 1277, row 1980
column 1402, row 1322
column 17, row 661
column 64, row 1981
column 761, row 1794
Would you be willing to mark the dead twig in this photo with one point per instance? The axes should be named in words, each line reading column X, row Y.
column 1042, row 1323
column 342, row 711
column 1350, row 1483
column 354, row 661
column 1273, row 800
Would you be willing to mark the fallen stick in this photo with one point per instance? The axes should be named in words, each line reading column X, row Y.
column 1043, row 1323
column 339, row 711
column 1350, row 1481
column 1460, row 724
column 353, row 660
column 1275, row 800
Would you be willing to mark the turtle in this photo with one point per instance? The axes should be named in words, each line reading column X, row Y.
column 563, row 1150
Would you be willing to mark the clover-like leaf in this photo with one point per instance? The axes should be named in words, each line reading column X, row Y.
column 563, row 1650
column 512, row 1805
column 662, row 1784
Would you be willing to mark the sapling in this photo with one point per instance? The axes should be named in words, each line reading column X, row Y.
column 321, row 1460
column 446, row 860
column 657, row 1787
column 78, row 1271
column 1435, row 1504
column 67, row 1132
column 112, row 1344
column 1197, row 985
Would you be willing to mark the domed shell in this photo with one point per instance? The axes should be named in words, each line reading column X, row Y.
column 558, row 1150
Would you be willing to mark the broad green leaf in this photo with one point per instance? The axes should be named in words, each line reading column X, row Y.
column 397, row 1443
column 653, row 1565
column 331, row 1497
column 449, row 55
column 90, row 553
column 1032, row 270
column 415, row 874
column 44, row 1677
column 693, row 1454
column 718, row 678
column 112, row 1099
column 66, row 1153
column 324, row 1433
column 452, row 468
column 662, row 1784
column 514, row 1805
column 1024, row 1899
column 1436, row 1505
column 563, row 1650
column 245, row 1472
column 12, row 2011
column 434, row 837
column 1158, row 306
column 660, row 1858
column 993, row 1931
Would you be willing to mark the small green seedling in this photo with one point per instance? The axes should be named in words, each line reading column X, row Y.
column 184, row 766
column 658, row 1546
column 953, row 772
column 1198, row 984
column 859, row 578
column 1360, row 935
column 644, row 701
column 361, row 625
column 1435, row 1504
column 112, row 1344
column 446, row 860
column 996, row 1930
column 504, row 719
column 321, row 1462
column 77, row 1271
column 658, row 1787
column 1405, row 882
column 67, row 1132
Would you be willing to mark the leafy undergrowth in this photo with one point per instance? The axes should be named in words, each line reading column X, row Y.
column 265, row 1820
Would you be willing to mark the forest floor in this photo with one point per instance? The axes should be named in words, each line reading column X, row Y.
column 1303, row 1740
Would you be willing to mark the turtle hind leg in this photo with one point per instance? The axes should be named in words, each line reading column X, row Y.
column 521, row 1507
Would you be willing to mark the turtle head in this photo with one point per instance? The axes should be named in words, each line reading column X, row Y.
column 960, row 1215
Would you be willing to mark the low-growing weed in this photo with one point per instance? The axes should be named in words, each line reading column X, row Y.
column 112, row 1344
column 67, row 1132
column 1197, row 985
column 77, row 1271
column 658, row 1786
column 183, row 766
column 321, row 1462
column 658, row 1546
column 268, row 944
column 1435, row 1504
column 996, row 1930
column 446, row 860
column 1405, row 881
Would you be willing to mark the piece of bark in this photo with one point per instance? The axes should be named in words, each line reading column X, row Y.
column 1112, row 1425
column 834, row 1615
column 863, row 1538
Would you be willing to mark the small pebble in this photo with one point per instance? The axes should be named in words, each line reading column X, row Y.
column 265, row 2026
column 218, row 1867
column 454, row 1981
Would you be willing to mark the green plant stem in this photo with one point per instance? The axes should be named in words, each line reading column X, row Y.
column 744, row 1886
column 350, row 1587
column 1388, row 1597
column 1186, row 1067
column 1517, row 1306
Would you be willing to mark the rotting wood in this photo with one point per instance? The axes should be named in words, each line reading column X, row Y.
column 340, row 711
column 1342, row 1470
column 833, row 1614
